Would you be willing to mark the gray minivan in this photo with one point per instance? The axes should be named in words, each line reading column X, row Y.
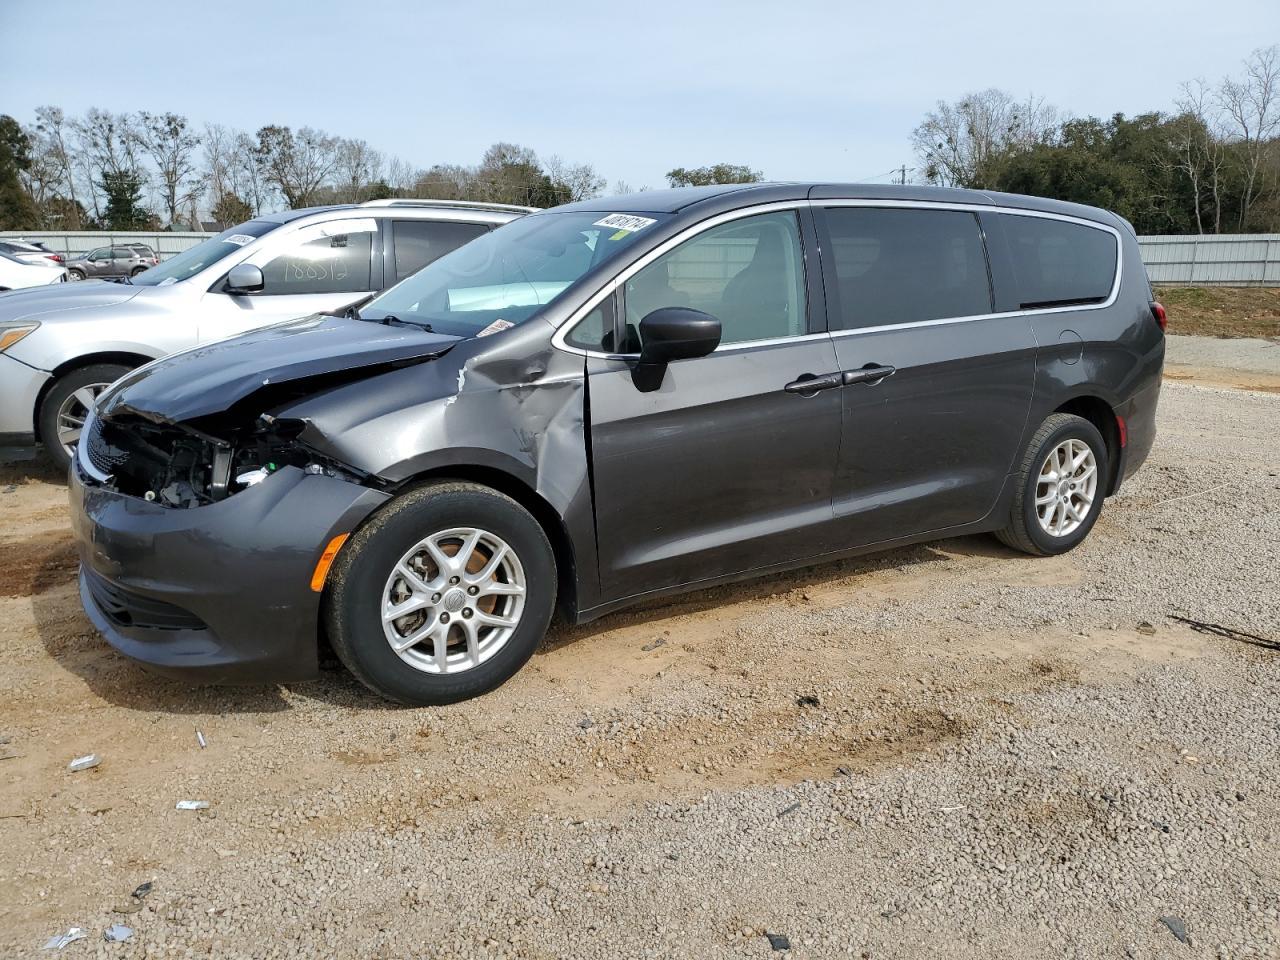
column 611, row 401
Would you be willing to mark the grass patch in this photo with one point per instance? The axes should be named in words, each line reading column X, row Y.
column 1222, row 311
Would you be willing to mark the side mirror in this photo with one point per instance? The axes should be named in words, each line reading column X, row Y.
column 672, row 333
column 245, row 278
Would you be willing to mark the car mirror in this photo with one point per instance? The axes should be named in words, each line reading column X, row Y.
column 672, row 333
column 245, row 278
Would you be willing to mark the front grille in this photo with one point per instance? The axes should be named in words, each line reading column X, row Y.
column 105, row 458
column 128, row 609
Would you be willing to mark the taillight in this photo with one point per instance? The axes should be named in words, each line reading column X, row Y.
column 55, row 257
column 1158, row 311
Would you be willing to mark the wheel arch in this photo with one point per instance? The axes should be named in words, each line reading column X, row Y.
column 538, row 506
column 1102, row 415
column 122, row 357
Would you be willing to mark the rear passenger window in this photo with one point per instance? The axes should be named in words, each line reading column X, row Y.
column 903, row 266
column 418, row 242
column 1057, row 262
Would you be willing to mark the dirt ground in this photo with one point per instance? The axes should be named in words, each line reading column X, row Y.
column 946, row 750
column 1222, row 311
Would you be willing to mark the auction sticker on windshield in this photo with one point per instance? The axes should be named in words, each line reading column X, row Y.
column 625, row 221
column 239, row 239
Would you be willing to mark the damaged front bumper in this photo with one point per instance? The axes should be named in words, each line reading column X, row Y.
column 218, row 593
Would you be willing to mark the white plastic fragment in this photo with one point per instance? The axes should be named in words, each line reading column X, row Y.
column 117, row 933
column 62, row 939
column 84, row 763
column 200, row 740
column 192, row 805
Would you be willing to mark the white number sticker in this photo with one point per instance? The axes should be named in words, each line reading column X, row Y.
column 239, row 239
column 625, row 221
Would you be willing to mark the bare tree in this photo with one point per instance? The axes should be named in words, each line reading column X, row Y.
column 51, row 124
column 1200, row 153
column 580, row 179
column 356, row 167
column 960, row 144
column 1251, row 106
column 298, row 165
column 249, row 177
column 106, row 147
column 171, row 145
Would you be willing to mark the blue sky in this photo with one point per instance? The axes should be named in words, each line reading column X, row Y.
column 799, row 90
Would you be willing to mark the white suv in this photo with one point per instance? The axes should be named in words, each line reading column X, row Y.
column 61, row 346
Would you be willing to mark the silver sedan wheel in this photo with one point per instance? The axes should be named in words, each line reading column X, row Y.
column 1066, row 487
column 72, row 413
column 453, row 600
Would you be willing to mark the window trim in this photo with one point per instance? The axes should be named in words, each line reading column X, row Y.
column 558, row 341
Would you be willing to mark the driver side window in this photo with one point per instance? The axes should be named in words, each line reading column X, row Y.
column 749, row 274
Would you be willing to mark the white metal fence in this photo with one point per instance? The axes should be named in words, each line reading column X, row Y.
column 1222, row 260
column 1243, row 260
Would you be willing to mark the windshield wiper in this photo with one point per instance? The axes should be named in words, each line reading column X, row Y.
column 390, row 318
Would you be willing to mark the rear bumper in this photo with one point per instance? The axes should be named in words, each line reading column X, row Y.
column 1139, row 413
column 214, row 594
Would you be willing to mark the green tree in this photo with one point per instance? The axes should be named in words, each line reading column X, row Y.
column 718, row 173
column 124, row 209
column 17, row 209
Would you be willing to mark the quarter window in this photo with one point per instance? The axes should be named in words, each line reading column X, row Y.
column 336, row 261
column 904, row 266
column 419, row 242
column 749, row 274
column 1057, row 262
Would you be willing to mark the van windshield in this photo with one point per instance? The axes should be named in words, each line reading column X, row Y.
column 203, row 254
column 507, row 276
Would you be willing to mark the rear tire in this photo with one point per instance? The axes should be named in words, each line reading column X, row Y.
column 137, row 271
column 65, row 405
column 1055, row 503
column 480, row 610
column 74, row 274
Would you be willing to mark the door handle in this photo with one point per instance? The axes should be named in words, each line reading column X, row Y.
column 807, row 384
column 872, row 373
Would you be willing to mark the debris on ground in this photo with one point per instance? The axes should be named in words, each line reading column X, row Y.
column 192, row 805
column 117, row 933
column 1147, row 628
column 142, row 889
column 1177, row 928
column 201, row 740
column 778, row 941
column 654, row 644
column 86, row 762
column 586, row 723
column 62, row 939
column 808, row 700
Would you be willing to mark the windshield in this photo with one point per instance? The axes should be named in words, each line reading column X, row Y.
column 507, row 276
column 203, row 254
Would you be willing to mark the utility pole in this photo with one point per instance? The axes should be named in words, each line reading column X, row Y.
column 902, row 175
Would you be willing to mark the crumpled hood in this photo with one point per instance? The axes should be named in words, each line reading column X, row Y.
column 36, row 303
column 212, row 377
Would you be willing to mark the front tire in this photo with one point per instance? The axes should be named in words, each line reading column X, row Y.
column 137, row 270
column 65, row 406
column 1061, row 483
column 442, row 596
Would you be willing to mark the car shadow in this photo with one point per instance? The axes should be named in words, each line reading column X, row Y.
column 72, row 641
column 37, row 469
column 815, row 577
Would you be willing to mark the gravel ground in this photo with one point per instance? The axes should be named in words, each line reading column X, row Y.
column 945, row 751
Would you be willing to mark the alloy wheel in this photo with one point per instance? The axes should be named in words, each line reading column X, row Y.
column 453, row 600
column 72, row 413
column 1066, row 487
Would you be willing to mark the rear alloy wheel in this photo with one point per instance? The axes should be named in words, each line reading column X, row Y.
column 1061, row 484
column 74, row 274
column 442, row 595
column 65, row 406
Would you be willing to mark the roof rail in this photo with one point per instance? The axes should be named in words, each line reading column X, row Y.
column 465, row 204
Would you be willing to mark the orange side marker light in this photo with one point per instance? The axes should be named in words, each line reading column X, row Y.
column 326, row 561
